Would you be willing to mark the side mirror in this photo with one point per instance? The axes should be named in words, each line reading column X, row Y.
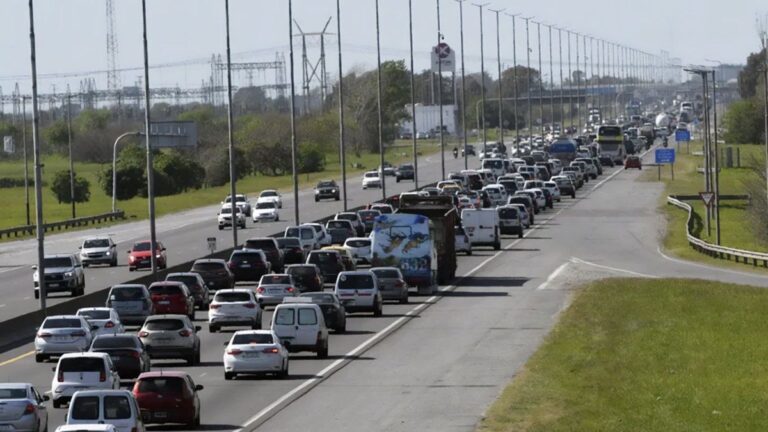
column 128, row 252
column 198, row 328
column 34, row 267
column 226, row 343
column 46, row 398
column 199, row 387
column 53, row 369
column 79, row 247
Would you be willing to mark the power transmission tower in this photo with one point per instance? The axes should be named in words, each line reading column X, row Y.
column 113, row 80
column 310, row 70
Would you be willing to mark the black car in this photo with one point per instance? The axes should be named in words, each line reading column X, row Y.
column 405, row 172
column 333, row 310
column 196, row 285
column 307, row 277
column 270, row 247
column 329, row 262
column 215, row 273
column 368, row 216
column 128, row 353
column 248, row 265
column 327, row 189
column 549, row 199
column 292, row 251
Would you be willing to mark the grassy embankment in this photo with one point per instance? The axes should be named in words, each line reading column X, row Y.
column 13, row 213
column 734, row 223
column 646, row 355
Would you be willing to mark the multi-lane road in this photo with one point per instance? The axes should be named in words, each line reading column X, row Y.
column 437, row 363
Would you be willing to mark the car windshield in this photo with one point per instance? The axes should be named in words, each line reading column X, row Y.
column 286, row 242
column 208, row 266
column 358, row 243
column 53, row 323
column 96, row 243
column 265, row 205
column 228, row 210
column 275, row 280
column 81, row 364
column 326, row 185
column 163, row 385
column 260, row 244
column 386, row 273
column 320, row 298
column 114, row 342
column 165, row 290
column 96, row 314
column 252, row 338
column 231, row 297
column 127, row 294
column 371, row 174
column 13, row 393
column 164, row 324
column 141, row 247
column 268, row 194
column 355, row 281
column 57, row 262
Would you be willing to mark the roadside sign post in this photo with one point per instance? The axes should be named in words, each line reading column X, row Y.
column 212, row 244
column 683, row 135
column 665, row 156
column 709, row 199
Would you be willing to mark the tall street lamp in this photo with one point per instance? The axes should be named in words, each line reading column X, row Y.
column 379, row 107
column 514, row 78
column 439, row 94
column 463, row 81
column 230, row 136
column 413, row 95
column 342, row 147
column 498, row 55
column 148, row 144
column 294, row 146
column 482, row 74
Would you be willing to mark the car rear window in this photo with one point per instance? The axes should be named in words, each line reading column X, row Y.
column 230, row 297
column 186, row 280
column 85, row 408
column 208, row 266
column 246, row 256
column 302, row 271
column 319, row 298
column 127, row 294
column 383, row 209
column 358, row 243
column 162, row 385
column 337, row 224
column 346, row 216
column 275, row 279
column 57, row 262
column 115, row 342
column 144, row 246
column 368, row 214
column 62, row 323
column 13, row 393
column 116, row 408
column 284, row 316
column 165, row 290
column 355, row 281
column 164, row 324
column 96, row 243
column 260, row 244
column 288, row 242
column 81, row 364
column 98, row 314
column 388, row 273
column 307, row 316
column 252, row 338
column 508, row 213
column 320, row 258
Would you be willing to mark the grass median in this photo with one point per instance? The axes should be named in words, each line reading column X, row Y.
column 646, row 355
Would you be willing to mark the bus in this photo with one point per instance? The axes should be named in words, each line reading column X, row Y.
column 611, row 141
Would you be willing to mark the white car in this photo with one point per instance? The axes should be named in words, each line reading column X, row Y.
column 265, row 211
column 300, row 325
column 462, row 241
column 98, row 250
column 322, row 236
column 105, row 320
column 233, row 307
column 270, row 195
column 225, row 216
column 60, row 334
column 360, row 248
column 541, row 199
column 23, row 408
column 241, row 201
column 554, row 190
column 361, row 290
column 82, row 371
column 103, row 411
column 255, row 352
column 371, row 179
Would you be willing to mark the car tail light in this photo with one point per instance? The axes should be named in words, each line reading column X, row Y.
column 290, row 289
column 109, row 324
column 399, row 284
column 260, row 290
column 78, row 333
column 43, row 335
column 185, row 333
column 231, row 264
column 250, row 305
column 135, row 354
column 271, row 350
column 60, row 378
column 234, row 351
column 214, row 306
column 143, row 334
column 102, row 376
column 30, row 409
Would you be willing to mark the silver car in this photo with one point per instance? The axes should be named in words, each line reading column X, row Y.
column 61, row 334
column 22, row 408
column 106, row 320
column 131, row 302
column 98, row 250
column 273, row 288
column 171, row 336
column 391, row 283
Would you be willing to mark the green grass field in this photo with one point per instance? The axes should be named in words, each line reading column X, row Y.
column 735, row 225
column 646, row 355
column 136, row 208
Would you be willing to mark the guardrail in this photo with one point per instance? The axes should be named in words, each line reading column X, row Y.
column 711, row 249
column 58, row 226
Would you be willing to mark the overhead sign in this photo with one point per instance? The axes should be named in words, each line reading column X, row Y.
column 443, row 58
column 665, row 155
column 682, row 135
column 707, row 197
column 173, row 134
column 8, row 146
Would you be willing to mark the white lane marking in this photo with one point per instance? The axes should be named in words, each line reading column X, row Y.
column 707, row 267
column 615, row 269
column 203, row 374
column 26, row 298
column 553, row 275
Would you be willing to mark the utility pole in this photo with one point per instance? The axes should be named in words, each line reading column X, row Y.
column 439, row 95
column 463, row 80
column 541, row 84
column 413, row 96
column 379, row 108
column 501, row 94
column 764, row 40
column 342, row 147
column 551, row 83
column 230, row 136
column 26, row 163
column 514, row 78
column 717, row 161
column 482, row 74
column 294, row 147
column 562, row 82
column 69, row 146
column 147, row 131
column 529, row 123
column 570, row 77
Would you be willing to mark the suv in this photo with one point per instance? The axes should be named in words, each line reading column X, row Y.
column 327, row 189
column 368, row 216
column 361, row 290
column 127, row 353
column 357, row 224
column 168, row 397
column 132, row 303
column 61, row 334
column 171, row 336
column 404, row 171
column 307, row 277
column 196, row 286
column 172, row 298
column 225, row 217
column 140, row 256
column 234, row 307
column 98, row 250
column 248, row 265
column 82, row 371
column 292, row 251
column 340, row 230
column 328, row 261
column 271, row 249
column 214, row 272
column 62, row 273
column 241, row 201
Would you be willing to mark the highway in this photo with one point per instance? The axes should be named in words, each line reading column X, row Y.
column 437, row 363
column 184, row 234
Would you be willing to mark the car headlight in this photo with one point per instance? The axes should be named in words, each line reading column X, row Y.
column 69, row 274
column 158, row 256
column 108, row 253
column 333, row 191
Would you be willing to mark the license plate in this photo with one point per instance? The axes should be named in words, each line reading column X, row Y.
column 275, row 291
column 245, row 265
column 161, row 340
column 50, row 285
column 164, row 302
column 160, row 414
column 115, row 357
column 59, row 338
column 252, row 355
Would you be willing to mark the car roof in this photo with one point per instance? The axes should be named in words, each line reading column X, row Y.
column 358, row 238
column 84, row 354
column 234, row 290
column 95, row 308
column 129, row 286
column 165, row 316
column 248, row 332
column 186, row 273
column 357, row 272
column 96, row 427
column 14, row 385
column 163, row 373
column 63, row 316
column 211, row 260
column 60, row 255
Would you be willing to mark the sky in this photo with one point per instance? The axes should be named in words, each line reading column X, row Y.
column 71, row 34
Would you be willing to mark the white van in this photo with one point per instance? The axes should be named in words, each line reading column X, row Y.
column 510, row 220
column 495, row 165
column 306, row 235
column 482, row 227
column 361, row 290
column 497, row 193
column 300, row 325
column 116, row 407
column 79, row 371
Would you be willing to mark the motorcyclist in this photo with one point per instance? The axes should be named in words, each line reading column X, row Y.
column 665, row 143
column 455, row 152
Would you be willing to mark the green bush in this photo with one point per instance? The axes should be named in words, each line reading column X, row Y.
column 62, row 190
column 744, row 122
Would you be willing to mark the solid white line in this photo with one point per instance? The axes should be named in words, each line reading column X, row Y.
column 615, row 269
column 704, row 266
column 553, row 275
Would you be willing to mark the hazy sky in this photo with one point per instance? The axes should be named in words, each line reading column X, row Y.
column 71, row 33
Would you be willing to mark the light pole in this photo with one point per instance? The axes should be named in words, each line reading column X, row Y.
column 294, row 147
column 498, row 55
column 439, row 94
column 379, row 108
column 147, row 131
column 514, row 78
column 529, row 123
column 562, row 83
column 114, row 167
column 463, row 80
column 570, row 76
column 578, row 85
column 230, row 136
column 541, row 83
column 39, row 228
column 342, row 147
column 704, row 74
column 26, row 164
column 551, row 83
column 413, row 95
column 71, row 162
column 482, row 73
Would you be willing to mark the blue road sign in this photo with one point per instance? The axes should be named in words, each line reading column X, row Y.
column 682, row 135
column 665, row 156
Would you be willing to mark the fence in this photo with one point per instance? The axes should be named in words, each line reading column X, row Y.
column 58, row 226
column 714, row 250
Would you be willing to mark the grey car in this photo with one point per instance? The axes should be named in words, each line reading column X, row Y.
column 98, row 250
column 171, row 337
column 132, row 303
column 22, row 408
column 391, row 284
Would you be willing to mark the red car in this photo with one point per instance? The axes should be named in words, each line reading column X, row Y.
column 633, row 162
column 168, row 397
column 140, row 256
column 170, row 297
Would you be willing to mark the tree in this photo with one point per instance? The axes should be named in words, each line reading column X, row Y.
column 90, row 119
column 130, row 182
column 744, row 122
column 752, row 74
column 57, row 135
column 62, row 190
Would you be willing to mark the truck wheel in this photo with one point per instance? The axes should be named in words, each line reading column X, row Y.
column 317, row 199
column 469, row 252
column 497, row 245
column 37, row 294
column 520, row 233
